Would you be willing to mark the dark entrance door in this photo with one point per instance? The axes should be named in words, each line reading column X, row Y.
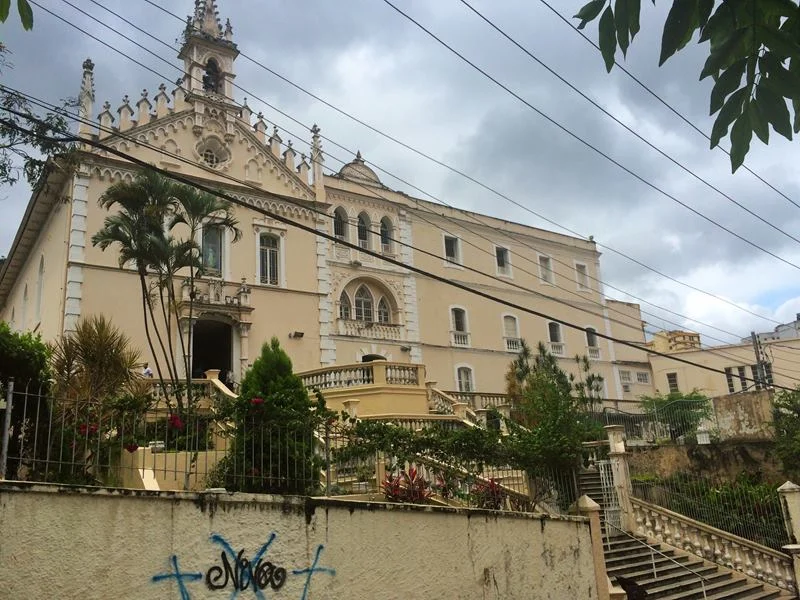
column 212, row 348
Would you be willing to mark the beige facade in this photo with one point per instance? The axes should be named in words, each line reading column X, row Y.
column 675, row 340
column 327, row 303
column 169, row 546
column 738, row 363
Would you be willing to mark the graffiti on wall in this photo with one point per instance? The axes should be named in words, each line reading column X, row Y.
column 237, row 573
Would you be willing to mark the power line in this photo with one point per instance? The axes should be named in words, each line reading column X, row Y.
column 666, row 104
column 508, row 234
column 206, row 168
column 589, row 145
column 605, row 307
column 453, row 169
column 312, row 230
column 621, row 123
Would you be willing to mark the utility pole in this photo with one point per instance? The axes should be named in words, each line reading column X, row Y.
column 760, row 375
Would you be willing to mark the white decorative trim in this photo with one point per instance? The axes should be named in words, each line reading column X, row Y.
column 373, row 349
column 458, row 366
column 327, row 318
column 542, row 280
column 448, row 264
column 409, row 289
column 77, row 250
column 280, row 234
column 581, row 287
column 509, row 273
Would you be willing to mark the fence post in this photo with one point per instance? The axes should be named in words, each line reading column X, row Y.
column 790, row 506
column 619, row 469
column 6, row 428
column 327, row 458
column 586, row 507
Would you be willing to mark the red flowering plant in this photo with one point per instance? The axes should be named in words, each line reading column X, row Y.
column 488, row 494
column 407, row 486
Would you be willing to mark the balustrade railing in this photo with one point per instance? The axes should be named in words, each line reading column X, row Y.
column 370, row 329
column 339, row 377
column 459, row 338
column 439, row 403
column 593, row 352
column 360, row 374
column 557, row 348
column 716, row 545
column 513, row 344
column 418, row 423
column 593, row 452
column 480, row 400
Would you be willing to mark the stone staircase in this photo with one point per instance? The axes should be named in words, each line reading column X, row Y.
column 632, row 558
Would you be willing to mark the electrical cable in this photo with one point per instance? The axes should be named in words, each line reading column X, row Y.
column 448, row 167
column 666, row 104
column 312, row 230
column 589, row 145
column 508, row 234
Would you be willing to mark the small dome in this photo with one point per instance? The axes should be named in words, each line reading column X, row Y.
column 359, row 171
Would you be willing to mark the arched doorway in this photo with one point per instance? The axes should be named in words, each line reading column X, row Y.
column 212, row 347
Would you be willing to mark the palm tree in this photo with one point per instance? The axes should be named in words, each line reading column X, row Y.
column 143, row 206
column 194, row 209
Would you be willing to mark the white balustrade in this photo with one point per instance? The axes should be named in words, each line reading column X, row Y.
column 557, row 348
column 459, row 338
column 594, row 352
column 402, row 374
column 378, row 331
column 513, row 344
column 723, row 548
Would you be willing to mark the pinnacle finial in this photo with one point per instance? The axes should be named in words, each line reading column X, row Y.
column 88, row 65
column 358, row 156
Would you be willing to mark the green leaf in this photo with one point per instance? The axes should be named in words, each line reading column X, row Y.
column 25, row 14
column 719, row 25
column 778, row 78
column 589, row 12
column 781, row 8
column 678, row 28
column 621, row 22
column 779, row 42
column 773, row 107
column 634, row 8
column 727, row 83
column 608, row 38
column 794, row 68
column 741, row 134
column 5, row 7
column 758, row 122
column 704, row 11
column 730, row 111
column 724, row 54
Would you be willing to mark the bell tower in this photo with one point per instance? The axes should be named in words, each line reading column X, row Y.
column 208, row 53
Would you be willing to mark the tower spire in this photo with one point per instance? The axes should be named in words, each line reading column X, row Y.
column 86, row 99
column 206, row 18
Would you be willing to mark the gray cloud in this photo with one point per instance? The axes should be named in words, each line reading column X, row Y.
column 365, row 58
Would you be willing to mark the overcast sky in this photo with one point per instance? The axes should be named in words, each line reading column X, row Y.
column 363, row 57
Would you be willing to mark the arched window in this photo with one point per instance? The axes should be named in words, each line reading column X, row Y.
column 39, row 290
column 340, row 224
column 363, row 230
column 386, row 235
column 459, row 335
column 212, row 79
column 344, row 306
column 24, row 323
column 269, row 259
column 464, row 379
column 591, row 337
column 554, row 331
column 384, row 313
column 511, row 333
column 363, row 304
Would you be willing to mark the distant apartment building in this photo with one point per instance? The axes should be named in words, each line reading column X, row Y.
column 675, row 340
column 784, row 331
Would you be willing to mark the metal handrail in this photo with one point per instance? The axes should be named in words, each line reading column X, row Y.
column 653, row 552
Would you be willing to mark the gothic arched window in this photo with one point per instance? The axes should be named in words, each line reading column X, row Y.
column 363, row 304
column 344, row 306
column 384, row 312
column 212, row 79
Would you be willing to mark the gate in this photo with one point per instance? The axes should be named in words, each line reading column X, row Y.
column 612, row 512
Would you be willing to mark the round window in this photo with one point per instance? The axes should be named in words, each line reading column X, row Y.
column 210, row 158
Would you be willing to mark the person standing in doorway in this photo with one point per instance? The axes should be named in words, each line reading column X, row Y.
column 147, row 371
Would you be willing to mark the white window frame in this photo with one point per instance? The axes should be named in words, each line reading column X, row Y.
column 459, row 251
column 373, row 305
column 677, row 383
column 387, row 248
column 453, row 330
column 365, row 244
column 389, row 311
column 471, row 372
column 642, row 377
column 541, row 272
column 342, row 211
column 505, row 335
column 226, row 248
column 580, row 286
column 625, row 376
column 280, row 234
column 350, row 307
column 509, row 270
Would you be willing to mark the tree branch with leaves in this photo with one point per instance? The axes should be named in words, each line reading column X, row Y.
column 753, row 58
